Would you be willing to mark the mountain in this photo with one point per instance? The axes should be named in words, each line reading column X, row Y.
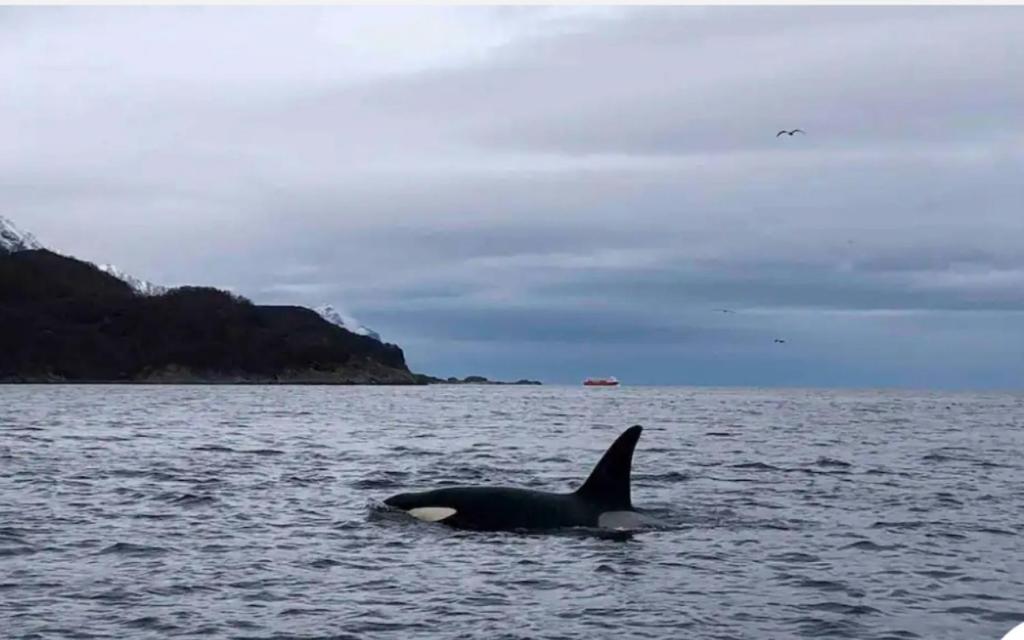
column 13, row 239
column 67, row 320
column 332, row 315
column 140, row 286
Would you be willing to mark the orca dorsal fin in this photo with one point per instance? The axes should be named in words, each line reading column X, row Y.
column 608, row 484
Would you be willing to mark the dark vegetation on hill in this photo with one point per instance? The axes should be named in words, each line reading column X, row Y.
column 63, row 319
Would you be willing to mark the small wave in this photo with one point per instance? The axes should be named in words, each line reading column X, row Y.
column 112, row 438
column 902, row 526
column 707, row 557
column 756, row 466
column 379, row 512
column 151, row 622
column 324, row 563
column 947, row 498
column 143, row 473
column 821, row 585
column 941, row 457
column 794, row 557
column 20, row 550
column 952, row 535
column 308, row 480
column 670, row 476
column 214, row 447
column 242, row 624
column 820, row 628
column 869, row 409
column 131, row 549
column 207, row 481
column 994, row 531
column 882, row 471
column 894, row 420
column 988, row 464
column 215, row 548
column 387, row 480
column 867, row 545
column 12, row 533
column 193, row 500
column 263, row 452
column 779, row 525
column 825, row 461
column 154, row 516
column 900, row 634
column 1011, row 617
column 299, row 611
column 262, row 595
column 842, row 608
column 179, row 590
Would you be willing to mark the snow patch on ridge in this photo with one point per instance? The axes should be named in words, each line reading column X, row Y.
column 332, row 315
column 140, row 286
column 13, row 239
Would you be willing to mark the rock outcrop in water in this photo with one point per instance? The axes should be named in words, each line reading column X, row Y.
column 65, row 320
column 425, row 379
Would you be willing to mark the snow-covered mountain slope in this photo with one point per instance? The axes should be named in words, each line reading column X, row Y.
column 13, row 239
column 141, row 287
column 332, row 315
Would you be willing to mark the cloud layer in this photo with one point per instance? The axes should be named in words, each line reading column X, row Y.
column 553, row 192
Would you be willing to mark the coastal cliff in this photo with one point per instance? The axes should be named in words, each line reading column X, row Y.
column 66, row 320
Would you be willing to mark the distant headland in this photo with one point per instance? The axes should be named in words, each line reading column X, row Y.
column 64, row 320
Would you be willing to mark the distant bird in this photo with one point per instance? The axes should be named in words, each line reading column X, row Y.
column 725, row 310
column 790, row 132
column 777, row 341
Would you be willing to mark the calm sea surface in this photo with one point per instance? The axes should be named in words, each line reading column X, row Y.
column 254, row 512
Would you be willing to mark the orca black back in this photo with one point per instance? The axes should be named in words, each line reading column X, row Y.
column 603, row 498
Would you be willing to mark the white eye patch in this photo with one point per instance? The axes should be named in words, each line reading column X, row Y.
column 432, row 514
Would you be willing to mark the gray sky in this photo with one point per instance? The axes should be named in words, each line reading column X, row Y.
column 553, row 192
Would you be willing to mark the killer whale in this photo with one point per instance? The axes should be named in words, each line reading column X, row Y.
column 604, row 500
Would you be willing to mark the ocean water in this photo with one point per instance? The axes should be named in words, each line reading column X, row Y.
column 254, row 512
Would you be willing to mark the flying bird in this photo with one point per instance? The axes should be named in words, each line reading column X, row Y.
column 790, row 132
column 725, row 310
column 778, row 341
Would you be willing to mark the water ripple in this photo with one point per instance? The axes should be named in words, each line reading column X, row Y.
column 255, row 512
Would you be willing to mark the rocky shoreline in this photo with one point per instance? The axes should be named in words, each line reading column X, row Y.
column 426, row 379
column 181, row 375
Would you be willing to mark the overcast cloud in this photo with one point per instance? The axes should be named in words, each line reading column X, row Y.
column 553, row 192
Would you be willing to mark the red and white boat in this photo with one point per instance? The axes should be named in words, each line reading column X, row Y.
column 610, row 381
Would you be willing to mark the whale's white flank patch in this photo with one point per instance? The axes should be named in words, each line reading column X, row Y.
column 432, row 514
